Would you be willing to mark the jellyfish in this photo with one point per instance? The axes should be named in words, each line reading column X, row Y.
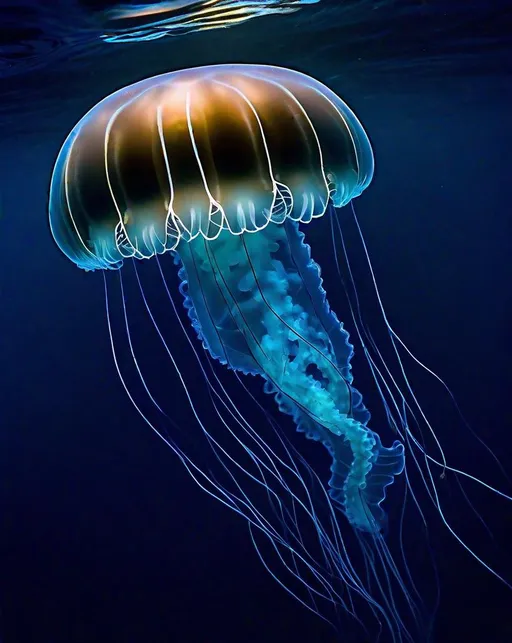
column 224, row 168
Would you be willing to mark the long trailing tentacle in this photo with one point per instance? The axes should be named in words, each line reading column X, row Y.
column 405, row 402
column 240, row 503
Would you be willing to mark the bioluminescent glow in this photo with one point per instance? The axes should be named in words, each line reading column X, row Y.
column 219, row 167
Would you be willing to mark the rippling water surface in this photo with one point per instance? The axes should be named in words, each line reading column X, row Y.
column 52, row 55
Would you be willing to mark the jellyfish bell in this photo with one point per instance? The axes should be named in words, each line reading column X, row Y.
column 222, row 147
column 220, row 167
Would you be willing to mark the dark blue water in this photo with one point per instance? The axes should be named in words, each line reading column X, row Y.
column 103, row 535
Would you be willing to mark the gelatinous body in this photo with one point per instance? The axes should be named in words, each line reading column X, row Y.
column 220, row 165
column 198, row 151
column 257, row 303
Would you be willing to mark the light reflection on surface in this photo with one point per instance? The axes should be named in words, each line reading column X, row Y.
column 150, row 22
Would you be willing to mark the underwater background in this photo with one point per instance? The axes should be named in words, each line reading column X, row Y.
column 103, row 536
